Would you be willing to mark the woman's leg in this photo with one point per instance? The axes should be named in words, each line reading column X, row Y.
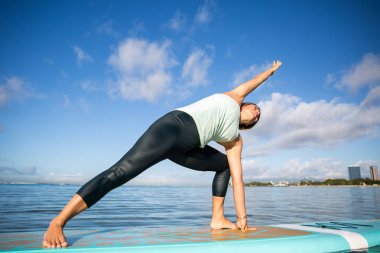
column 153, row 146
column 54, row 237
column 210, row 159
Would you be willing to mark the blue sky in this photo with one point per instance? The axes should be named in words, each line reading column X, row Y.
column 80, row 81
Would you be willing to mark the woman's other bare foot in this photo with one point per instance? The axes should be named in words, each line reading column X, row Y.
column 54, row 237
column 222, row 223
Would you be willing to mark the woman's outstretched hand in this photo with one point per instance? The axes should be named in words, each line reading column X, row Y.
column 276, row 65
column 242, row 224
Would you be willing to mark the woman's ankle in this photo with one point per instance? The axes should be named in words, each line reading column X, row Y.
column 217, row 218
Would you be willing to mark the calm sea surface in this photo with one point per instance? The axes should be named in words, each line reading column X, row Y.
column 31, row 207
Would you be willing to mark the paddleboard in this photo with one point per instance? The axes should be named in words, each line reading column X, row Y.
column 314, row 237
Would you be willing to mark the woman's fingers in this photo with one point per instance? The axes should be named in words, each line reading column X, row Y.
column 276, row 64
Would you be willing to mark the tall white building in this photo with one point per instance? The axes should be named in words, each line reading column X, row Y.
column 353, row 172
column 374, row 173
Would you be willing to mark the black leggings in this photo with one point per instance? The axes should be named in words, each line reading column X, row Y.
column 175, row 137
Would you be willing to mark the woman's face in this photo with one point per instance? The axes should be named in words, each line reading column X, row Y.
column 249, row 114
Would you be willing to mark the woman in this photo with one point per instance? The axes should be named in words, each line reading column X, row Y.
column 182, row 136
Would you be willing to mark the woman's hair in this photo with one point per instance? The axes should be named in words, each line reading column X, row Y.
column 244, row 126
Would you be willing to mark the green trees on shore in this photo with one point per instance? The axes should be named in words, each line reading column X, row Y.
column 258, row 184
column 327, row 182
column 341, row 181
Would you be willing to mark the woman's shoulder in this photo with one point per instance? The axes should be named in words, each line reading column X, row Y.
column 234, row 96
column 229, row 102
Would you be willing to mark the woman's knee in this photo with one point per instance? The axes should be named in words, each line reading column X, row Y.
column 220, row 183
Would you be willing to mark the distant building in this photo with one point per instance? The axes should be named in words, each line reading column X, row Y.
column 281, row 183
column 374, row 173
column 353, row 172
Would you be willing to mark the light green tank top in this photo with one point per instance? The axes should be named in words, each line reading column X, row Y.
column 216, row 117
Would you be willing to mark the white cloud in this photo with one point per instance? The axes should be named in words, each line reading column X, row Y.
column 18, row 171
column 178, row 21
column 254, row 169
column 137, row 28
column 330, row 78
column 14, row 88
column 373, row 97
column 90, row 85
column 287, row 122
column 204, row 12
column 143, row 69
column 202, row 18
column 196, row 66
column 248, row 73
column 174, row 179
column 314, row 169
column 82, row 56
column 3, row 95
column 365, row 73
column 318, row 168
column 67, row 102
column 107, row 28
column 32, row 175
column 80, row 103
column 290, row 123
column 64, row 178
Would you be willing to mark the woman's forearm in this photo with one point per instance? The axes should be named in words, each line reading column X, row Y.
column 233, row 151
column 239, row 197
column 241, row 91
column 245, row 88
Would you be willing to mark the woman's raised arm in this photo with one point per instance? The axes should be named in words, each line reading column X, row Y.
column 242, row 90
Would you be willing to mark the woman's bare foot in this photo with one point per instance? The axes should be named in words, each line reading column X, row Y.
column 54, row 237
column 222, row 223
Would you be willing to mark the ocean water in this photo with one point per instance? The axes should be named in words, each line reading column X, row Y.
column 31, row 207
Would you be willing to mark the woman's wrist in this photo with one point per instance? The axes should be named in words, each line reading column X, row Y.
column 241, row 217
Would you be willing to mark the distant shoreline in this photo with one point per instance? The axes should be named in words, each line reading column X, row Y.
column 358, row 182
column 325, row 186
column 27, row 183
